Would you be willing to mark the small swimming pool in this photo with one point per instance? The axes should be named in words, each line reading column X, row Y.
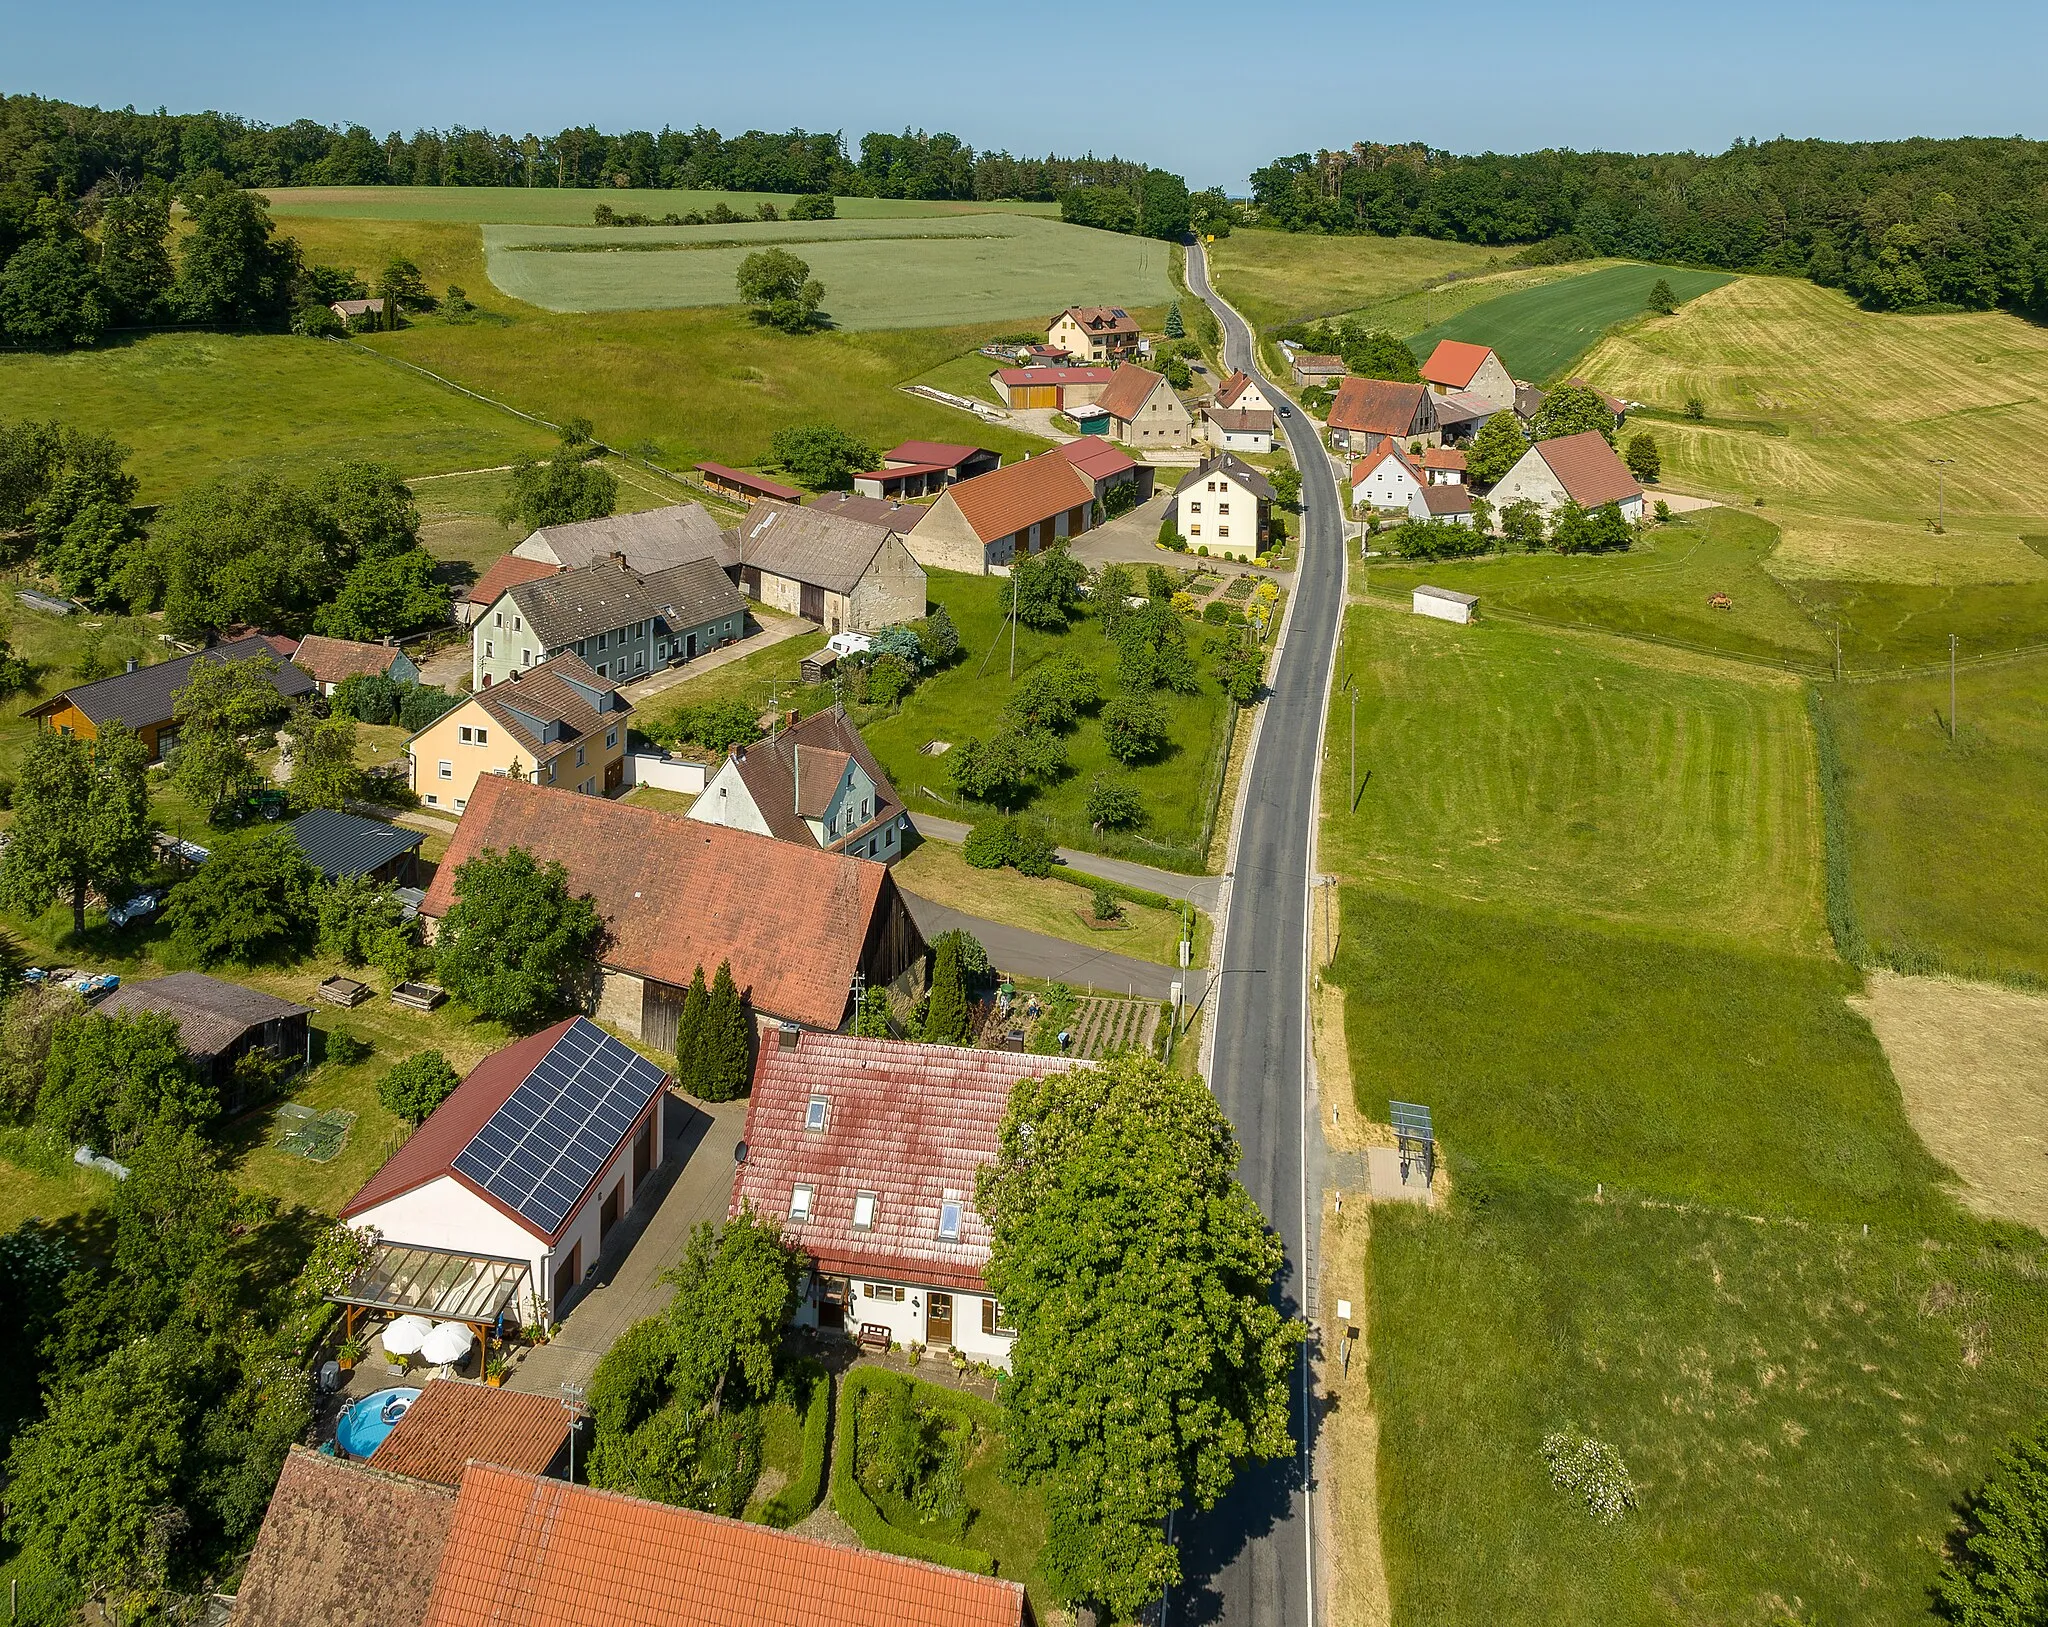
column 361, row 1428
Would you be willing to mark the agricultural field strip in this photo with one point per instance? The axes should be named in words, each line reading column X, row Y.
column 573, row 206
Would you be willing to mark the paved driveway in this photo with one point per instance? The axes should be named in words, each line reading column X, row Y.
column 1133, row 539
column 1032, row 954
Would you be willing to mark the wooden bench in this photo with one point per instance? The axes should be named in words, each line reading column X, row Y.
column 876, row 1337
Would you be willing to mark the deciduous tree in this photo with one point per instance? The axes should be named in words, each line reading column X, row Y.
column 235, row 271
column 734, row 1287
column 324, row 771
column 558, row 491
column 1133, row 727
column 1496, row 449
column 397, row 593
column 1642, row 457
column 413, row 1088
column 1521, row 526
column 779, row 290
column 110, row 1080
column 1054, row 694
column 1114, row 803
column 1572, row 409
column 221, row 703
column 135, row 262
column 821, row 456
column 514, row 943
column 252, row 898
column 1047, row 587
column 81, row 820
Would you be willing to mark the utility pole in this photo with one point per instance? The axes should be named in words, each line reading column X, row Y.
column 1940, row 492
column 1951, row 688
column 1838, row 652
column 1013, row 618
column 1354, row 751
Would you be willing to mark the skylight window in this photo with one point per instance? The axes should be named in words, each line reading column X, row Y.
column 864, row 1211
column 949, row 1221
column 800, row 1202
column 814, row 1115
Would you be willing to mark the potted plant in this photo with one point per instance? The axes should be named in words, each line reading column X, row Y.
column 351, row 1352
column 494, row 1371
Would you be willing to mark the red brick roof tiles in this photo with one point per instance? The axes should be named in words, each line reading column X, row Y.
column 1453, row 363
column 1128, row 392
column 1008, row 500
column 1372, row 460
column 1378, row 406
column 1443, row 457
column 1587, row 468
column 1097, row 459
column 505, row 573
column 528, row 1552
column 455, row 1420
column 909, row 1123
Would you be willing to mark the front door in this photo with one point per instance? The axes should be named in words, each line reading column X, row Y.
column 833, row 1293
column 566, row 1278
column 938, row 1319
column 690, row 647
column 608, row 1213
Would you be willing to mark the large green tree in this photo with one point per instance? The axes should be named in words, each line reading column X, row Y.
column 779, row 290
column 725, row 1050
column 324, row 771
column 1046, row 587
column 251, row 550
column 1496, row 449
column 50, row 292
column 821, row 456
column 947, row 1015
column 734, row 1287
column 560, row 490
column 109, row 1080
column 135, row 260
column 235, row 271
column 1573, row 409
column 1150, row 1363
column 219, row 706
column 515, row 944
column 371, row 509
column 396, row 593
column 1166, row 209
column 81, row 820
column 252, row 898
column 1996, row 1575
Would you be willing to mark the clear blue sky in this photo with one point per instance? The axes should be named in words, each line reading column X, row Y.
column 1220, row 89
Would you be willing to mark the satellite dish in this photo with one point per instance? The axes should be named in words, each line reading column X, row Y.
column 739, row 1153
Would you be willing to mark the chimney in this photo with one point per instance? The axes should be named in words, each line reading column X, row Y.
column 618, row 559
column 131, row 664
column 786, row 1037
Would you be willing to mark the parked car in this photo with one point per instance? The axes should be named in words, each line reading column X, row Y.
column 140, row 907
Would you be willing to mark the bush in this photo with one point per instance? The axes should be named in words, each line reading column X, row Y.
column 807, row 1485
column 368, row 697
column 1134, row 728
column 416, row 1086
column 1105, row 902
column 344, row 1049
column 852, row 1503
column 990, row 844
column 2003, row 1555
column 1592, row 1471
column 815, row 206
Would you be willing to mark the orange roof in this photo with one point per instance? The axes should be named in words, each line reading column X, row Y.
column 507, row 572
column 1129, row 391
column 1453, row 363
column 1233, row 387
column 1443, row 457
column 1585, row 465
column 1007, row 500
column 1015, row 376
column 455, row 1420
column 677, row 893
column 330, row 660
column 1378, row 406
column 529, row 1552
column 1365, row 466
column 1096, row 459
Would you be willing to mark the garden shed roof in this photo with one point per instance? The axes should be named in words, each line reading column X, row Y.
column 456, row 1419
column 211, row 1013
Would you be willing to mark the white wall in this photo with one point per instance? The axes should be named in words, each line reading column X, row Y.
column 727, row 801
column 1390, row 484
column 1428, row 604
column 666, row 773
column 905, row 1319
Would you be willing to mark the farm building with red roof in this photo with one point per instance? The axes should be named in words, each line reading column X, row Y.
column 1580, row 469
column 1104, row 465
column 1366, row 412
column 982, row 524
column 1471, row 371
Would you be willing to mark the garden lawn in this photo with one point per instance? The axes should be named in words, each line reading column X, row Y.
column 54, row 647
column 1506, row 763
column 1540, row 332
column 1659, row 589
column 1275, row 277
column 192, row 406
column 1946, row 843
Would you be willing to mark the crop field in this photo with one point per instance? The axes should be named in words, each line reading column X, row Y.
column 573, row 206
column 195, row 405
column 1505, row 763
column 902, row 273
column 1540, row 332
column 1946, row 845
column 1275, row 277
column 1417, row 308
column 1863, row 402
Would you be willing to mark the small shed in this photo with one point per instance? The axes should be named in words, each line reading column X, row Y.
column 816, row 667
column 341, row 844
column 745, row 486
column 219, row 1023
column 1089, row 418
column 1445, row 605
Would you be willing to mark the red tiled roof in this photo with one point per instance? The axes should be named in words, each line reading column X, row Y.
column 1014, row 376
column 330, row 660
column 1377, row 406
column 1128, row 391
column 283, row 643
column 1100, row 318
column 455, row 1420
column 1453, row 363
column 529, row 1552
column 1097, row 459
column 677, row 893
column 938, row 454
column 1018, row 495
column 909, row 1123
column 507, row 572
column 1310, row 362
column 1365, row 465
column 1585, row 465
column 1443, row 457
column 1233, row 387
column 752, row 482
column 819, row 769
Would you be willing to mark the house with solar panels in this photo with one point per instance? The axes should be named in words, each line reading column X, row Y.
column 514, row 1181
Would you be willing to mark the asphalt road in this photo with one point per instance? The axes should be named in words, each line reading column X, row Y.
column 1249, row 1562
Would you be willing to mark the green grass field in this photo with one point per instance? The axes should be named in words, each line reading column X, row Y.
column 902, row 273
column 573, row 206
column 1946, row 844
column 1540, row 332
column 1510, row 764
column 1275, row 277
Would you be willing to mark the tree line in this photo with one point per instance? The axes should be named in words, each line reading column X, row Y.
column 1897, row 225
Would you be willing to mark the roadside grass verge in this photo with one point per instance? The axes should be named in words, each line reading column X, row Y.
column 1276, row 277
column 1945, row 843
column 1503, row 763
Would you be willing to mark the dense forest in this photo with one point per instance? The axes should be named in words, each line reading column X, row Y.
column 58, row 149
column 1898, row 225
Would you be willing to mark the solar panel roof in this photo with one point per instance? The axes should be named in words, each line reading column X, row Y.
column 539, row 1152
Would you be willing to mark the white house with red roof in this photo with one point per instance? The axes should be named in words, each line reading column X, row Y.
column 1443, row 466
column 1388, row 478
column 1241, row 393
column 533, row 1159
column 1458, row 368
column 1580, row 469
column 866, row 1152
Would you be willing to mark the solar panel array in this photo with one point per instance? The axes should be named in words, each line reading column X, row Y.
column 539, row 1153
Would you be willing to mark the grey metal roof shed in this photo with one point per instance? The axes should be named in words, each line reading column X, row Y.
column 342, row 844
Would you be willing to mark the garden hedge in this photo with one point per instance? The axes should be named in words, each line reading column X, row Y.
column 801, row 1495
column 853, row 1505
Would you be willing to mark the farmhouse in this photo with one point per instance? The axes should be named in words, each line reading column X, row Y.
column 1314, row 371
column 508, row 570
column 677, row 894
column 1239, row 393
column 342, row 846
column 1369, row 411
column 829, row 569
column 866, row 1150
column 618, row 620
column 1058, row 387
column 982, row 524
column 556, row 724
column 1387, row 479
column 1094, row 333
column 1443, row 466
column 1105, row 466
column 328, row 661
column 1247, row 429
column 648, row 542
column 918, row 468
column 1144, row 409
column 354, row 310
column 1441, row 505
column 143, row 698
column 528, row 1164
column 1580, row 469
column 219, row 1023
column 1445, row 605
column 1226, row 506
column 744, row 486
column 815, row 784
column 1456, row 367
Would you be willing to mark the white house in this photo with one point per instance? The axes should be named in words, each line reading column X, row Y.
column 865, row 1152
column 815, row 784
column 1444, row 466
column 1445, row 605
column 1442, row 505
column 1387, row 479
column 1238, row 429
column 1458, row 368
column 1241, row 393
column 1225, row 506
column 532, row 1160
column 1580, row 468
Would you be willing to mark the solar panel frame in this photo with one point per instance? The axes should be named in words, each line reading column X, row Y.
column 540, row 1151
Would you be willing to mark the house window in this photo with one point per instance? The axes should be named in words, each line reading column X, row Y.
column 579, row 756
column 864, row 809
column 1194, row 530
column 517, row 625
column 661, row 652
column 1222, row 508
column 461, row 803
column 1195, row 506
column 814, row 1114
column 432, row 800
column 499, row 619
column 487, row 647
column 601, row 670
column 447, row 769
column 864, row 1211
column 640, row 662
column 949, row 1221
column 1211, row 486
column 1223, row 531
column 473, row 736
column 611, row 738
column 995, row 1319
column 891, row 1291
column 800, row 1202
column 601, row 638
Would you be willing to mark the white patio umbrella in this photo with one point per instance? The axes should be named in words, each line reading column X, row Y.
column 405, row 1336
column 448, row 1343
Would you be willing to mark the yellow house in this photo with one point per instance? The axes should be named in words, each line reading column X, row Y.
column 556, row 724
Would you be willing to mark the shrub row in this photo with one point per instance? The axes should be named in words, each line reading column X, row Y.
column 857, row 1509
column 801, row 1495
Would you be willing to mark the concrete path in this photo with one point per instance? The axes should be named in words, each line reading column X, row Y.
column 694, row 1184
column 1133, row 539
column 1033, row 954
column 769, row 629
column 1201, row 891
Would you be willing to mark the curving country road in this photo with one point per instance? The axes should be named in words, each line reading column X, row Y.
column 1250, row 1562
